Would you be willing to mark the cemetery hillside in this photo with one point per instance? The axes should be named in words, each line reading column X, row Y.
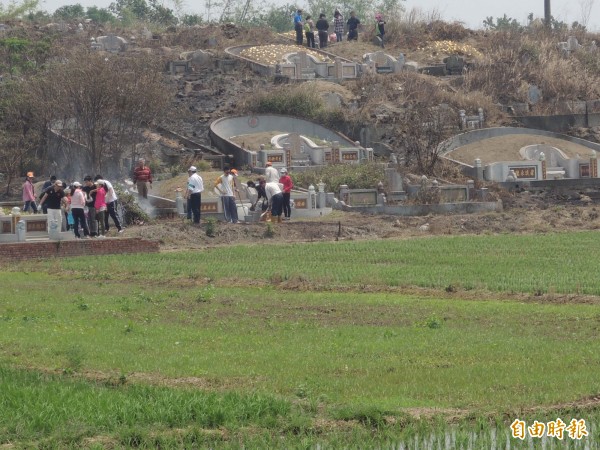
column 433, row 285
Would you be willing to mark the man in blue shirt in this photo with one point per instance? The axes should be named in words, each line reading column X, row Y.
column 298, row 26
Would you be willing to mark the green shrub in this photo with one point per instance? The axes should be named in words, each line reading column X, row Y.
column 363, row 176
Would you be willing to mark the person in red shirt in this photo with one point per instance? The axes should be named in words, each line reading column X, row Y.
column 142, row 177
column 288, row 185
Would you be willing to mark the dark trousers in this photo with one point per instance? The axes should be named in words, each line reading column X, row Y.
column 276, row 204
column 188, row 209
column 299, row 39
column 310, row 39
column 31, row 203
column 230, row 209
column 93, row 225
column 79, row 221
column 287, row 210
column 195, row 200
column 323, row 38
column 353, row 35
column 111, row 210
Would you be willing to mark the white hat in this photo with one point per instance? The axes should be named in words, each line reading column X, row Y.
column 192, row 169
column 76, row 184
column 283, row 170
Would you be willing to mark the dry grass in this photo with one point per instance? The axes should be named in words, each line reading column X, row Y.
column 514, row 61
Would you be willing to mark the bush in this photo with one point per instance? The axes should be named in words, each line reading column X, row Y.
column 363, row 176
column 132, row 213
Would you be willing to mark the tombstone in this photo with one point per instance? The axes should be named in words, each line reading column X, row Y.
column 339, row 69
column 112, row 43
column 454, row 64
column 332, row 99
column 593, row 47
column 212, row 42
column 573, row 44
column 295, row 142
column 146, row 34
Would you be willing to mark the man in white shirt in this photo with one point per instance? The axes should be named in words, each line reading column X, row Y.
column 111, row 204
column 195, row 185
column 224, row 185
column 275, row 198
column 271, row 174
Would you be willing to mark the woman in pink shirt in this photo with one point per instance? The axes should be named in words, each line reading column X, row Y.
column 28, row 194
column 100, row 205
column 288, row 184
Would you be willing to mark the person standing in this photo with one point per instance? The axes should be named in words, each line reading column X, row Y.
column 380, row 27
column 53, row 199
column 90, row 202
column 111, row 205
column 288, row 185
column 142, row 178
column 195, row 186
column 298, row 26
column 224, row 185
column 77, row 210
column 353, row 24
column 271, row 174
column 323, row 29
column 47, row 185
column 100, row 206
column 338, row 25
column 275, row 197
column 309, row 32
column 29, row 194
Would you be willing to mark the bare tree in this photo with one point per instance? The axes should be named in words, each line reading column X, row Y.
column 99, row 102
column 425, row 130
column 586, row 7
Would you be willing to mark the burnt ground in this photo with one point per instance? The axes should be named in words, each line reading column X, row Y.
column 523, row 212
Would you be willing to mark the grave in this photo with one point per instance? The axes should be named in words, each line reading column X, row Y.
column 455, row 65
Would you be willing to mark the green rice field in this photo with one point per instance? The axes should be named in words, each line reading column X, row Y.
column 439, row 342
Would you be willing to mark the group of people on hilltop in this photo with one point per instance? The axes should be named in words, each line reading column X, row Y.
column 83, row 208
column 306, row 27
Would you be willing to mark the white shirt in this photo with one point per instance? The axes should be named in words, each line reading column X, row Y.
column 271, row 174
column 272, row 189
column 227, row 185
column 195, row 184
column 111, row 195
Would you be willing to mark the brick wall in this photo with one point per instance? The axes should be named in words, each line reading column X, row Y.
column 61, row 249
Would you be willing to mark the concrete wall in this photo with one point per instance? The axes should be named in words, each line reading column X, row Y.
column 486, row 133
column 61, row 249
column 222, row 129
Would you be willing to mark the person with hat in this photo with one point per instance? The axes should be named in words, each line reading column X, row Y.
column 224, row 184
column 142, row 178
column 288, row 185
column 53, row 199
column 298, row 26
column 47, row 185
column 111, row 204
column 78, row 212
column 271, row 174
column 195, row 186
column 28, row 194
